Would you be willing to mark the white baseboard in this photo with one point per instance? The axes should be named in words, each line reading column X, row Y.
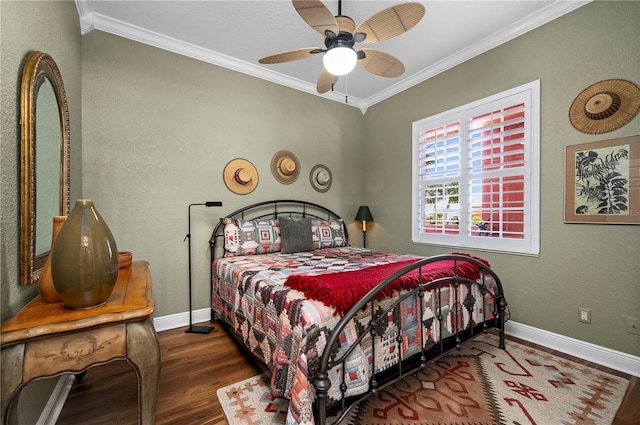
column 178, row 320
column 52, row 409
column 585, row 350
column 594, row 353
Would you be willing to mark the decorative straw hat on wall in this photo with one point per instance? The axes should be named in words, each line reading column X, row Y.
column 285, row 167
column 605, row 106
column 320, row 178
column 240, row 176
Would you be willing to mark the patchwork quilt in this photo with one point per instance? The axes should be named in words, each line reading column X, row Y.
column 288, row 332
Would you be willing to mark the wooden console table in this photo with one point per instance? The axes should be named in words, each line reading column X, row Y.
column 45, row 340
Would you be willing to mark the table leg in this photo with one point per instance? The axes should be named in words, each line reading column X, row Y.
column 143, row 352
column 11, row 362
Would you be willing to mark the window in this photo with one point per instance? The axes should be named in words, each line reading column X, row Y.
column 476, row 173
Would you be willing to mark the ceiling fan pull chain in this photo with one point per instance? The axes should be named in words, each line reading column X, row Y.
column 346, row 89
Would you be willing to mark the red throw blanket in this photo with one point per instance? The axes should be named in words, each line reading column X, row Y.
column 343, row 289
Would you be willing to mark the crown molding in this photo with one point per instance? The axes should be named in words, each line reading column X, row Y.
column 546, row 15
column 90, row 20
column 85, row 12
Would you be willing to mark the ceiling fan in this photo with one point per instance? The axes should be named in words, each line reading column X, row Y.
column 341, row 34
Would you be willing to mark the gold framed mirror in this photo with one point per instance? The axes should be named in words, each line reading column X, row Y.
column 44, row 160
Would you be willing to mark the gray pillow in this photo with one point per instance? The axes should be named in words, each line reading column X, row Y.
column 296, row 235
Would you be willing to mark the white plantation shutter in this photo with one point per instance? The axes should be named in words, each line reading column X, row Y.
column 439, row 175
column 476, row 174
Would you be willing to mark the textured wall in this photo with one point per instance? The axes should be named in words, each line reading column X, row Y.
column 51, row 27
column 158, row 129
column 580, row 265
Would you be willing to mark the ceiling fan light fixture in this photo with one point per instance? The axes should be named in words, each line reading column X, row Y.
column 340, row 60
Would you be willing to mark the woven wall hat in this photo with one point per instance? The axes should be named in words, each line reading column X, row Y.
column 285, row 167
column 605, row 106
column 320, row 178
column 240, row 176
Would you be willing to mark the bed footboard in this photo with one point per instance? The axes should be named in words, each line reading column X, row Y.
column 437, row 331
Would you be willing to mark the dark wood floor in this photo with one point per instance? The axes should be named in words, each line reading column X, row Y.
column 194, row 366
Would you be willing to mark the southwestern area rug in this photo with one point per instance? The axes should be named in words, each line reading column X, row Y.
column 479, row 384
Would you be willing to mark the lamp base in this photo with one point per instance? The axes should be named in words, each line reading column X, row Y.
column 199, row 329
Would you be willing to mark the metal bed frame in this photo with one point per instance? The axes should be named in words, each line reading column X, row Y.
column 378, row 319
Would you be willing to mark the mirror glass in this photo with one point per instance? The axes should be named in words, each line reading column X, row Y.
column 47, row 167
column 44, row 160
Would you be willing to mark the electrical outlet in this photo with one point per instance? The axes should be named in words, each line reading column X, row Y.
column 633, row 325
column 585, row 315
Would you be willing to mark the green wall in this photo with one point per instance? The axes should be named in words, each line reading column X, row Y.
column 158, row 130
column 51, row 27
column 580, row 265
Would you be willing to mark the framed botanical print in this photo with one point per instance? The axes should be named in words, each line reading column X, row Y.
column 602, row 182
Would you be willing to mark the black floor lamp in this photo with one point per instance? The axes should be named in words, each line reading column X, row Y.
column 364, row 215
column 191, row 328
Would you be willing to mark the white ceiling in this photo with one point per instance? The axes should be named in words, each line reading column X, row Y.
column 236, row 33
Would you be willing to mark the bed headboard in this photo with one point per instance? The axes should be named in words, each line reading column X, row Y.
column 272, row 210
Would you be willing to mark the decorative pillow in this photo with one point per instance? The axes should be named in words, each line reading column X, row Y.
column 250, row 237
column 296, row 235
column 327, row 234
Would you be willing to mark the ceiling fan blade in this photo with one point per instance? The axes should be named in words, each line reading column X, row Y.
column 345, row 24
column 316, row 14
column 291, row 55
column 391, row 22
column 326, row 81
column 381, row 63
